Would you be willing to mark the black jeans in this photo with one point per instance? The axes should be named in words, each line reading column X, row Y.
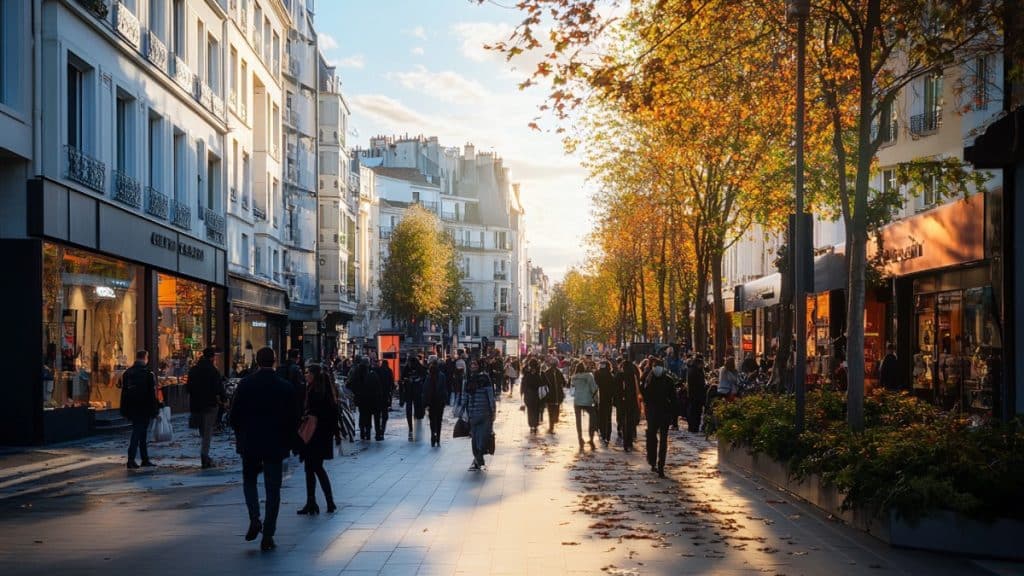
column 315, row 471
column 657, row 444
column 532, row 412
column 271, row 468
column 436, row 415
column 414, row 408
column 693, row 418
column 604, row 420
column 591, row 420
column 380, row 422
column 365, row 421
column 140, row 426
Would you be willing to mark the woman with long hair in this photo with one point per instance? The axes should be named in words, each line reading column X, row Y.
column 321, row 403
column 478, row 403
column 584, row 399
column 436, row 396
column 530, row 388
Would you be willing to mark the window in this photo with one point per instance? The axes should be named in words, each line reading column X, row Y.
column 889, row 184
column 275, row 194
column 123, row 133
column 213, row 63
column 180, row 186
column 258, row 261
column 415, row 196
column 212, row 181
column 276, row 137
column 178, row 32
column 246, row 180
column 928, row 193
column 886, row 124
column 233, row 79
column 243, row 98
column 266, row 40
column 200, row 62
column 277, row 53
column 76, row 95
column 257, row 21
column 156, row 17
column 243, row 257
column 981, row 80
column 234, row 167
column 12, row 68
column 200, row 168
column 155, row 150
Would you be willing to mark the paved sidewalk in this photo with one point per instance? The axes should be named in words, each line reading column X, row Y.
column 541, row 507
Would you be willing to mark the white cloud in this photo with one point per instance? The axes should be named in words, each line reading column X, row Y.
column 327, row 42
column 418, row 32
column 475, row 35
column 391, row 112
column 354, row 61
column 417, row 51
column 447, row 85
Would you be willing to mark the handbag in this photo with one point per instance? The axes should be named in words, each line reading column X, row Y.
column 461, row 429
column 542, row 392
column 307, row 427
column 489, row 446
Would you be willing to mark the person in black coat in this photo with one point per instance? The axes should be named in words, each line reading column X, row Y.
column 889, row 370
column 696, row 391
column 660, row 405
column 529, row 388
column 412, row 392
column 205, row 392
column 627, row 391
column 553, row 378
column 606, row 399
column 139, row 405
column 292, row 372
column 263, row 417
column 365, row 385
column 386, row 382
column 435, row 394
column 321, row 403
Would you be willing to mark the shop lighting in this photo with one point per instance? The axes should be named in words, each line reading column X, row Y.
column 105, row 292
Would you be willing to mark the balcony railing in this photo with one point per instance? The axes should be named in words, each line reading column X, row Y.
column 127, row 24
column 156, row 51
column 156, row 203
column 84, row 169
column 183, row 75
column 430, row 206
column 204, row 93
column 233, row 194
column 215, row 226
column 469, row 244
column 181, row 215
column 501, row 275
column 449, row 216
column 259, row 213
column 127, row 189
column 217, row 105
column 245, row 202
column 385, row 233
column 98, row 8
column 927, row 122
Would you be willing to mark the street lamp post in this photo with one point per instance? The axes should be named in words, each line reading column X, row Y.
column 799, row 10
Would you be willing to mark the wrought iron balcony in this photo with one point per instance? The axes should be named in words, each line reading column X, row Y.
column 449, row 216
column 925, row 123
column 245, row 202
column 181, row 215
column 204, row 94
column 84, row 169
column 385, row 233
column 889, row 133
column 233, row 194
column 156, row 203
column 127, row 190
column 156, row 51
column 183, row 75
column 217, row 105
column 501, row 275
column 215, row 226
column 98, row 8
column 127, row 24
column 259, row 213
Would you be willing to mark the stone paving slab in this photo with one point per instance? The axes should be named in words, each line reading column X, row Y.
column 541, row 507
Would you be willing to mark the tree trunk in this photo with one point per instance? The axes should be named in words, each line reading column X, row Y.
column 780, row 372
column 722, row 325
column 673, row 312
column 700, row 320
column 662, row 280
column 643, row 305
column 685, row 323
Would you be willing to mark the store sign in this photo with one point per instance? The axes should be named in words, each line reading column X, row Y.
column 183, row 248
column 949, row 235
column 105, row 292
column 259, row 324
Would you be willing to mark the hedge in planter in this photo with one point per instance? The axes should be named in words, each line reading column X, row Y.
column 911, row 458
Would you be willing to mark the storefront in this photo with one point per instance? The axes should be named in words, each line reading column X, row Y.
column 108, row 283
column 951, row 346
column 826, row 319
column 758, row 301
column 259, row 318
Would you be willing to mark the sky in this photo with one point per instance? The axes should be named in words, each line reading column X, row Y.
column 411, row 67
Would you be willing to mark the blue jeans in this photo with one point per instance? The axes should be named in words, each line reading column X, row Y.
column 140, row 427
column 272, row 470
column 480, row 430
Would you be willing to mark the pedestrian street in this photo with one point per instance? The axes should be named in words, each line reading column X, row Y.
column 542, row 506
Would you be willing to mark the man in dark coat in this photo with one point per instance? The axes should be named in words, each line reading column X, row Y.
column 205, row 392
column 263, row 416
column 696, row 391
column 888, row 370
column 139, row 405
column 386, row 383
column 627, row 390
column 412, row 392
column 365, row 385
column 660, row 405
column 553, row 378
column 292, row 372
column 606, row 399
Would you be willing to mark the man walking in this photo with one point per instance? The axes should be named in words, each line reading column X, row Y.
column 139, row 405
column 660, row 405
column 205, row 391
column 263, row 416
column 386, row 382
column 364, row 384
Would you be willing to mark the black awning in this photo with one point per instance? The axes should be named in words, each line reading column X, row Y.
column 1001, row 145
column 760, row 293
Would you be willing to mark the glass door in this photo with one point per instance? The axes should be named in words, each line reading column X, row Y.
column 950, row 359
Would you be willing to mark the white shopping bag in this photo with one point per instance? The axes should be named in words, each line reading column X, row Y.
column 160, row 429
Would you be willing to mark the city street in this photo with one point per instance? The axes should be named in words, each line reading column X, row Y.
column 541, row 507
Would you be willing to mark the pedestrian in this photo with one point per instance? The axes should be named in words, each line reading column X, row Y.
column 728, row 380
column 479, row 405
column 659, row 405
column 364, row 384
column 628, row 391
column 511, row 374
column 888, row 369
column 696, row 391
column 553, row 378
column 412, row 392
column 205, row 393
column 530, row 389
column 322, row 404
column 584, row 400
column 606, row 399
column 291, row 371
column 263, row 416
column 436, row 396
column 386, row 382
column 139, row 405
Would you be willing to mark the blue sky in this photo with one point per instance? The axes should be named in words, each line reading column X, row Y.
column 419, row 67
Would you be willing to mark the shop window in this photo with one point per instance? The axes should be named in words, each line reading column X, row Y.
column 90, row 327
column 181, row 327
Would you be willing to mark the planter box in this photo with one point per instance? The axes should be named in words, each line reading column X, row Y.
column 942, row 531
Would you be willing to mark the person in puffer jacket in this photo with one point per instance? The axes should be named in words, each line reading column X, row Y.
column 585, row 397
column 660, row 405
column 478, row 402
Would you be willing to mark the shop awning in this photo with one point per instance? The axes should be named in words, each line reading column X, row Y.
column 829, row 273
column 759, row 293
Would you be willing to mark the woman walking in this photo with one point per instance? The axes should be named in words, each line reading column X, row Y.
column 322, row 404
column 436, row 395
column 628, row 389
column 530, row 388
column 728, row 380
column 584, row 400
column 478, row 403
column 552, row 377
